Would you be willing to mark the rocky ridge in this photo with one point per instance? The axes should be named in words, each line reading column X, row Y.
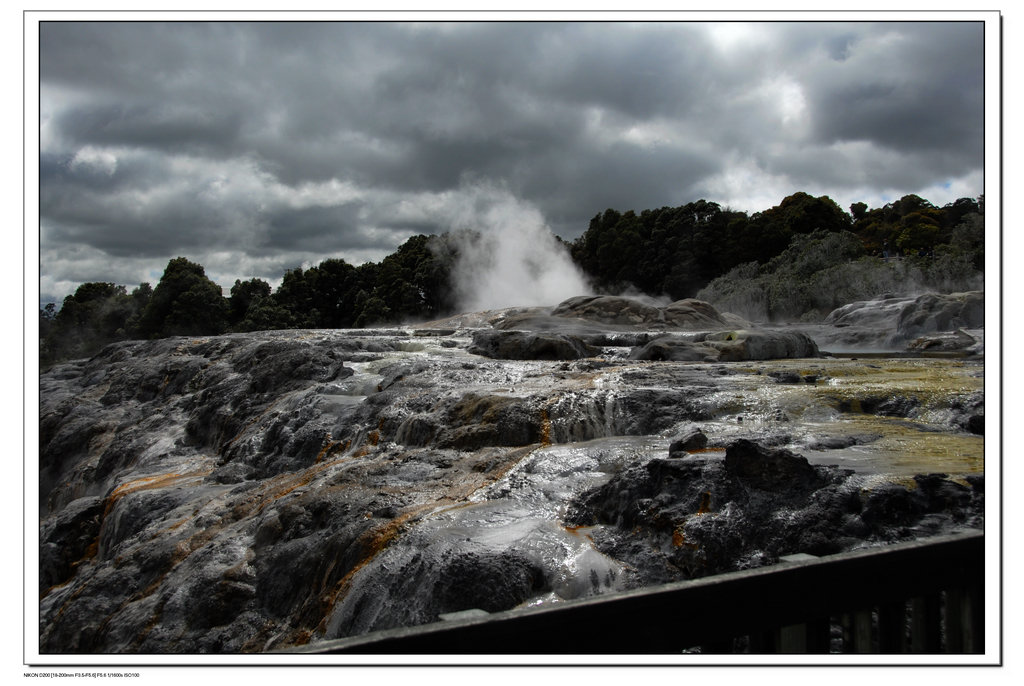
column 244, row 493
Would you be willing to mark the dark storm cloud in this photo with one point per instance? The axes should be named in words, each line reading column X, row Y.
column 326, row 229
column 251, row 145
column 926, row 94
column 163, row 126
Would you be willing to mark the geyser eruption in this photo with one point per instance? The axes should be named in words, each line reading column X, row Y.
column 510, row 258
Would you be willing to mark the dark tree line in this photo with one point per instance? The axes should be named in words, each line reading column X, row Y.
column 677, row 251
column 411, row 283
column 673, row 251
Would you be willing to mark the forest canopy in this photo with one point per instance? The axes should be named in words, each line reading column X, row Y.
column 790, row 261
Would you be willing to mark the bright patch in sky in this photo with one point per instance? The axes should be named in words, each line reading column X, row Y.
column 728, row 36
column 90, row 158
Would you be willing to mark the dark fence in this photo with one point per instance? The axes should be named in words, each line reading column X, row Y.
column 925, row 596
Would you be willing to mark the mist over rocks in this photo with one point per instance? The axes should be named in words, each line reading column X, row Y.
column 894, row 322
column 933, row 312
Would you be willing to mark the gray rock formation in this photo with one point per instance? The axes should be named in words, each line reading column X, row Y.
column 686, row 314
column 691, row 440
column 525, row 345
column 729, row 346
column 932, row 313
column 897, row 322
column 697, row 517
column 244, row 493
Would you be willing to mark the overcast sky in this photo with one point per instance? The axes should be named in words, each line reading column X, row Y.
column 252, row 148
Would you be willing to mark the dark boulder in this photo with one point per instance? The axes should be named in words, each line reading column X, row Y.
column 487, row 581
column 523, row 345
column 759, row 344
column 281, row 366
column 728, row 346
column 690, row 440
column 976, row 424
column 786, row 377
column 672, row 349
column 770, row 470
column 948, row 341
column 672, row 519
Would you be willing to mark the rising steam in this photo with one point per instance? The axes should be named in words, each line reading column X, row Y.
column 508, row 257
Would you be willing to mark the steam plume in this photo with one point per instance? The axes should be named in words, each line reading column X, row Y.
column 514, row 260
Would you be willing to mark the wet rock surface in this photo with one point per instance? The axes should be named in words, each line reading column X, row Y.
column 673, row 519
column 246, row 493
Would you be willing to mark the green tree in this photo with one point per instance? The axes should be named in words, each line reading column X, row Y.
column 295, row 296
column 96, row 314
column 968, row 239
column 332, row 288
column 184, row 303
column 243, row 295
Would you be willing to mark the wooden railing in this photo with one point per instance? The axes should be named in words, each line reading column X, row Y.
column 924, row 596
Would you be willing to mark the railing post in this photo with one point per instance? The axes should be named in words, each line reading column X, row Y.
column 792, row 638
column 975, row 619
column 954, row 615
column 763, row 642
column 892, row 627
column 819, row 635
column 860, row 632
column 926, row 624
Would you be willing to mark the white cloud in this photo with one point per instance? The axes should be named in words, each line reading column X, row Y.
column 745, row 186
column 729, row 37
column 92, row 158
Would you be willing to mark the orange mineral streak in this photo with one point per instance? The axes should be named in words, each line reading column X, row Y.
column 331, row 448
column 576, row 531
column 545, row 428
column 252, row 422
column 371, row 543
column 377, row 539
column 678, row 538
column 704, row 507
column 146, row 483
column 709, row 449
column 141, row 484
column 275, row 489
